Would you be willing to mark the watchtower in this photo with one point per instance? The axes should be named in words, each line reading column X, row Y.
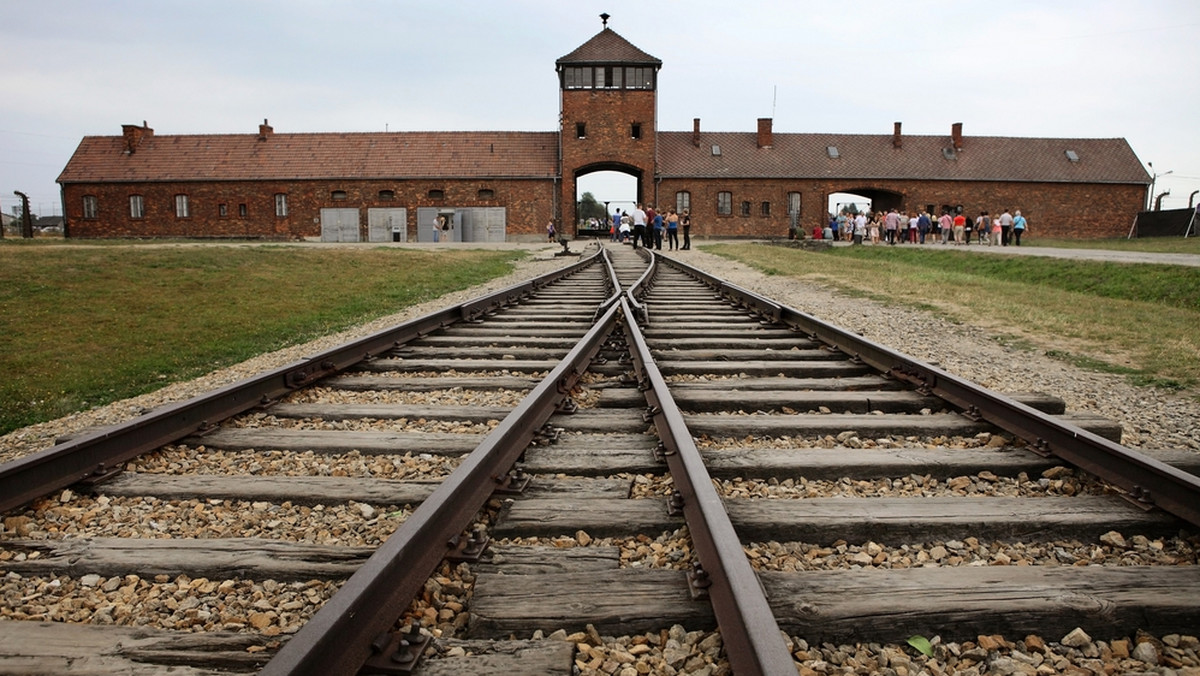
column 607, row 114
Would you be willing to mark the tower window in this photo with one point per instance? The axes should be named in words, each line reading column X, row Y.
column 635, row 130
column 581, row 130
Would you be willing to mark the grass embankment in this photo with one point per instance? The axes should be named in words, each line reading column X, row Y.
column 1142, row 321
column 86, row 326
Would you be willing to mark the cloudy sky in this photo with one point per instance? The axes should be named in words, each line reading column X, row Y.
column 1051, row 68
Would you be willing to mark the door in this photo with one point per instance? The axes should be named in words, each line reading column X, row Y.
column 387, row 225
column 339, row 225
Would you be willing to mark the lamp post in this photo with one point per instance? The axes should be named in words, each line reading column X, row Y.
column 1153, row 179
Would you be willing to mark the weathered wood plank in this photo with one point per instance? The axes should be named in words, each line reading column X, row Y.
column 304, row 490
column 216, row 558
column 843, row 605
column 473, row 414
column 825, row 520
column 311, row 490
column 40, row 648
column 863, row 463
column 522, row 560
column 422, row 384
column 339, row 441
column 594, row 460
column 502, row 658
column 962, row 602
column 866, row 426
column 838, row 368
column 615, row 602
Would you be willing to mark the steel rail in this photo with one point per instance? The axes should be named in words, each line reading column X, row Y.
column 752, row 638
column 1148, row 481
column 337, row 640
column 102, row 451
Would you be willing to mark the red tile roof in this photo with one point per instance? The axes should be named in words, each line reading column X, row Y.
column 242, row 157
column 867, row 156
column 608, row 47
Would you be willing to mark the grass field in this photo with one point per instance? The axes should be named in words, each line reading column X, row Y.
column 84, row 326
column 1189, row 245
column 1142, row 321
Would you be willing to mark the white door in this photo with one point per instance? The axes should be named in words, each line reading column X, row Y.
column 339, row 225
column 385, row 225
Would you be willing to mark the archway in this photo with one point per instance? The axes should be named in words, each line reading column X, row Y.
column 601, row 191
column 865, row 199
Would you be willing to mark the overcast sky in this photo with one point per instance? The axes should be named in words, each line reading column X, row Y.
column 1072, row 68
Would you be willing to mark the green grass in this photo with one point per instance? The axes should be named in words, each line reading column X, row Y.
column 1138, row 320
column 84, row 326
column 1189, row 245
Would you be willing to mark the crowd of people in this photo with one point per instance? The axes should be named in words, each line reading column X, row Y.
column 652, row 228
column 919, row 227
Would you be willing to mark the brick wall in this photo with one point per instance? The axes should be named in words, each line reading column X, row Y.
column 1052, row 209
column 527, row 203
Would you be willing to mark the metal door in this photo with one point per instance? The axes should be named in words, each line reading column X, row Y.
column 383, row 222
column 339, row 225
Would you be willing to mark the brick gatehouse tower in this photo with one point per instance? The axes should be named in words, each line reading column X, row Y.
column 607, row 115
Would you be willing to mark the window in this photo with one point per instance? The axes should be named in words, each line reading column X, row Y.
column 437, row 194
column 486, row 194
column 766, row 209
column 337, row 195
column 222, row 210
column 639, row 78
column 182, row 209
column 832, row 151
column 683, row 201
column 716, row 150
column 1072, row 156
column 242, row 211
column 794, row 204
column 280, row 204
column 745, row 208
column 581, row 130
column 635, row 130
column 577, row 77
column 137, row 207
column 387, row 194
column 725, row 203
column 91, row 206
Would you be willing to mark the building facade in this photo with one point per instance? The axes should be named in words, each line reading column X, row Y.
column 497, row 186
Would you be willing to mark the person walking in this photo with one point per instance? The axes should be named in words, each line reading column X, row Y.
column 685, row 220
column 946, row 223
column 656, row 222
column 550, row 231
column 1006, row 222
column 960, row 226
column 1019, row 225
column 439, row 224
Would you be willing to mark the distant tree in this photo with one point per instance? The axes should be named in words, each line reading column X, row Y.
column 590, row 208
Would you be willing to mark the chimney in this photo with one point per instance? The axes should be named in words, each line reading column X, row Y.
column 956, row 135
column 696, row 132
column 896, row 142
column 134, row 134
column 264, row 130
column 764, row 132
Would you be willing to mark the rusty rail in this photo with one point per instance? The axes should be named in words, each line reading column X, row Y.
column 1145, row 479
column 752, row 638
column 99, row 452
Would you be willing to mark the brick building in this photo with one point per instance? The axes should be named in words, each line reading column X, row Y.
column 496, row 186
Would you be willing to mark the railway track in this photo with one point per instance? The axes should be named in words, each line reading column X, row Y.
column 564, row 476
